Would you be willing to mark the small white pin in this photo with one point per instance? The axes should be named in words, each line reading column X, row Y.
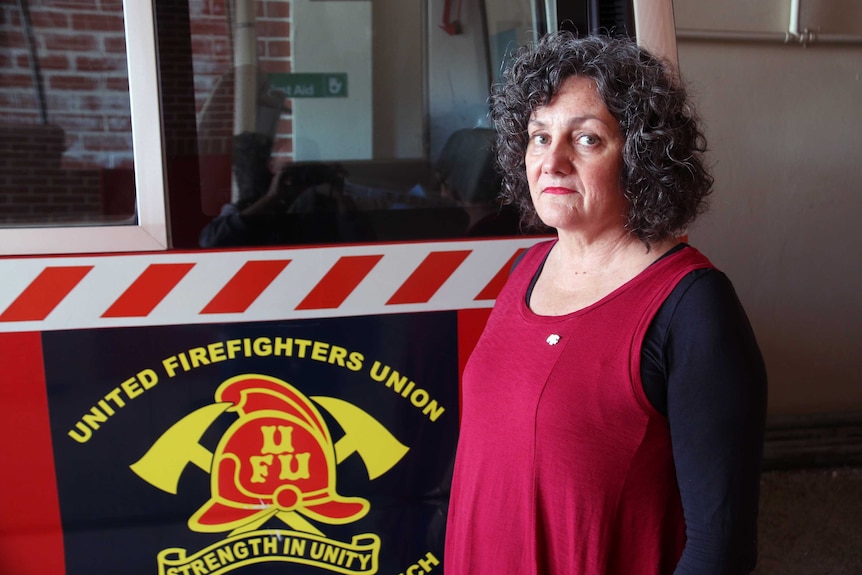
column 553, row 339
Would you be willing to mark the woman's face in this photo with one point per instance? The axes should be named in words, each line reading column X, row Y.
column 573, row 161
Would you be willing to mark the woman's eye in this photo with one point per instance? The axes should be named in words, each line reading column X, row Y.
column 587, row 140
column 540, row 139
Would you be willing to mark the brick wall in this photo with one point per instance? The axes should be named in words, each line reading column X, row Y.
column 84, row 112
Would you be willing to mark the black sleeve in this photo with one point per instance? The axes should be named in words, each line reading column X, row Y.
column 703, row 346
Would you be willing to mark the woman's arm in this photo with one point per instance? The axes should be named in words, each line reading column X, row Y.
column 716, row 406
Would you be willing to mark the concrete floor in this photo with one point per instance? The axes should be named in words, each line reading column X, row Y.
column 811, row 522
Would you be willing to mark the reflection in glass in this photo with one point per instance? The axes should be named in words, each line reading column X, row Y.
column 347, row 121
column 65, row 121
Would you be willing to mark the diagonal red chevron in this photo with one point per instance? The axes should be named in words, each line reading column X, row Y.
column 432, row 273
column 492, row 290
column 245, row 286
column 44, row 293
column 339, row 282
column 148, row 290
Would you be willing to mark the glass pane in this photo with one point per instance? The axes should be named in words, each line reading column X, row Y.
column 337, row 120
column 65, row 122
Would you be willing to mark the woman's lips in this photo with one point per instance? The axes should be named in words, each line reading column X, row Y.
column 558, row 191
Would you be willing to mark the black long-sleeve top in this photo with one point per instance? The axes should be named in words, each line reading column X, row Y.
column 702, row 367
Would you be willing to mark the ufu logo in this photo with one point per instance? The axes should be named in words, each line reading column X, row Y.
column 277, row 460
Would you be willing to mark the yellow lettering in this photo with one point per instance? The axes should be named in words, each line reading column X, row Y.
column 255, row 542
column 198, row 567
column 262, row 346
column 106, row 408
column 94, row 418
column 170, row 365
column 285, row 445
column 283, row 346
column 270, row 546
column 429, row 561
column 318, row 351
column 260, row 467
column 148, row 378
column 198, row 356
column 419, row 398
column 355, row 362
column 301, row 471
column 337, row 355
column 225, row 555
column 234, row 346
column 211, row 561
column 303, row 345
column 82, row 437
column 331, row 554
column 379, row 371
column 433, row 410
column 131, row 387
column 114, row 395
column 240, row 550
column 216, row 352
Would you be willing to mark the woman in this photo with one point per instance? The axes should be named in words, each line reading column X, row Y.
column 613, row 409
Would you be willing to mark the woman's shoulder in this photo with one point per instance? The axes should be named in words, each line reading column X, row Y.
column 704, row 295
column 536, row 252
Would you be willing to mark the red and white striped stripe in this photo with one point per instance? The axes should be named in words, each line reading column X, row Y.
column 78, row 292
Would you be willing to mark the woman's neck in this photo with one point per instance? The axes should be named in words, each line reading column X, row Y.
column 578, row 274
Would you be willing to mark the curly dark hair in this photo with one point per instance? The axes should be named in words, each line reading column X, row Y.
column 664, row 178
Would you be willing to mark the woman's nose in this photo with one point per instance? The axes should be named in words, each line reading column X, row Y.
column 558, row 159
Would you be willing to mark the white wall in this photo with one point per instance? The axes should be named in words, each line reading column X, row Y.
column 784, row 124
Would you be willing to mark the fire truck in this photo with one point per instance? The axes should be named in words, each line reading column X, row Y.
column 246, row 248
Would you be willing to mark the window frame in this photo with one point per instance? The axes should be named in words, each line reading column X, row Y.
column 150, row 231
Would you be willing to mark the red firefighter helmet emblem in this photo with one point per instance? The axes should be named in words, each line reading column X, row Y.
column 276, row 459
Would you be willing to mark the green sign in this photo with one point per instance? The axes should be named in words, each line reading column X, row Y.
column 311, row 85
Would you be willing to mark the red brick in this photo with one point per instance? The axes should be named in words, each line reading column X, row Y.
column 277, row 49
column 17, row 81
column 283, row 145
column 101, row 64
column 272, row 29
column 209, row 27
column 44, row 20
column 114, row 44
column 78, row 43
column 274, row 9
column 279, row 66
column 117, row 84
column 104, row 104
column 25, row 109
column 108, row 142
column 71, row 5
column 13, row 39
column 49, row 62
column 56, row 82
column 97, row 22
column 120, row 124
column 78, row 122
column 111, row 5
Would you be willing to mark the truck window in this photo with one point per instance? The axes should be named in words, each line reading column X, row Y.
column 80, row 167
column 334, row 121
column 221, row 123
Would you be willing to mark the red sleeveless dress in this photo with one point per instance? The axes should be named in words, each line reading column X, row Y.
column 563, row 466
